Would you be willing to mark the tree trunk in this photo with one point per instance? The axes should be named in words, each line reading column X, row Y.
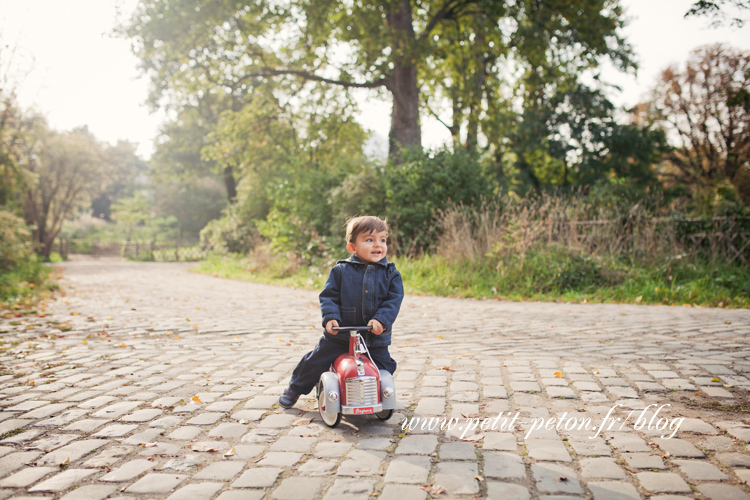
column 405, row 131
column 475, row 104
column 455, row 128
column 230, row 183
column 529, row 171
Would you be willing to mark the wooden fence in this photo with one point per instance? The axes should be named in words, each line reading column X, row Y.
column 727, row 238
column 147, row 251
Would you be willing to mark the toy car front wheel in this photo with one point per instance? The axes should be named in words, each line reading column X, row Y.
column 330, row 419
column 384, row 415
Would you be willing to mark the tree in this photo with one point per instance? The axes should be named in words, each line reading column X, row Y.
column 67, row 167
column 704, row 111
column 179, row 150
column 15, row 134
column 191, row 47
column 124, row 167
column 716, row 9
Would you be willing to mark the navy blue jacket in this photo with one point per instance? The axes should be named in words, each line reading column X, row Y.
column 356, row 292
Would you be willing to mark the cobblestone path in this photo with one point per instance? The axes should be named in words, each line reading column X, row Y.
column 148, row 382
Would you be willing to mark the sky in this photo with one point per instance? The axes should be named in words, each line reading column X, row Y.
column 70, row 67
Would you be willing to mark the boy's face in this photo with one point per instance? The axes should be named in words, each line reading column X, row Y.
column 369, row 247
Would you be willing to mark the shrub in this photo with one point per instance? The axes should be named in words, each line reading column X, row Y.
column 231, row 233
column 426, row 183
column 15, row 241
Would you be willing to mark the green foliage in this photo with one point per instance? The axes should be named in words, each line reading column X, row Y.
column 123, row 169
column 190, row 204
column 15, row 241
column 554, row 274
column 23, row 277
column 22, row 287
column 231, row 233
column 556, row 269
column 263, row 267
column 694, row 281
column 137, row 215
column 423, row 184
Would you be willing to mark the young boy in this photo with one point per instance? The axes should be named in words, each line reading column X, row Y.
column 364, row 289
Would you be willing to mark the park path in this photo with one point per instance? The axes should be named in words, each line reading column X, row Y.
column 147, row 381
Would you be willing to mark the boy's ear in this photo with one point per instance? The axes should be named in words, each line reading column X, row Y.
column 350, row 248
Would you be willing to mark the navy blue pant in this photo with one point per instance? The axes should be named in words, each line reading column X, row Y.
column 312, row 365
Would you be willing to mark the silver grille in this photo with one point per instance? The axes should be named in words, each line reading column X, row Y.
column 361, row 391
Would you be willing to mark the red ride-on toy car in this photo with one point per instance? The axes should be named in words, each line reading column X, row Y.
column 354, row 385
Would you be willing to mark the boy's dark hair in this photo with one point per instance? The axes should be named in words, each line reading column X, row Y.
column 365, row 224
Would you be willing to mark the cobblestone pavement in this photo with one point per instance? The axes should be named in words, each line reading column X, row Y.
column 148, row 382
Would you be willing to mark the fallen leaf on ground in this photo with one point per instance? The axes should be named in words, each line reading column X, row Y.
column 433, row 489
column 302, row 421
column 203, row 447
column 148, row 445
column 231, row 452
column 558, row 374
column 716, row 379
column 197, row 399
column 561, row 479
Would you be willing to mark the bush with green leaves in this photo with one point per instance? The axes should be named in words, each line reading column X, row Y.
column 15, row 241
column 424, row 184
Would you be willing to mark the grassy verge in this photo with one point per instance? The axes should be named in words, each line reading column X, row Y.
column 685, row 282
column 24, row 287
column 551, row 274
column 277, row 271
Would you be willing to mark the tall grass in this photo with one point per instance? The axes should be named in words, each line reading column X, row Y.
column 552, row 247
column 560, row 247
column 24, row 286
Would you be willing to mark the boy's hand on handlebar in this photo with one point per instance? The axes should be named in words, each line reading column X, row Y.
column 331, row 325
column 377, row 327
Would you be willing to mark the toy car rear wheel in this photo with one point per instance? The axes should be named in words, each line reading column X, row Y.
column 384, row 415
column 330, row 419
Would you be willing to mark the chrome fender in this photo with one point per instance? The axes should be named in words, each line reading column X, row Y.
column 386, row 380
column 329, row 382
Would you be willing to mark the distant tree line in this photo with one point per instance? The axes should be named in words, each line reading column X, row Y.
column 263, row 139
column 46, row 176
column 263, row 101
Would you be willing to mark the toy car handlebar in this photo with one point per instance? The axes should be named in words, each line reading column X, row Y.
column 351, row 328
